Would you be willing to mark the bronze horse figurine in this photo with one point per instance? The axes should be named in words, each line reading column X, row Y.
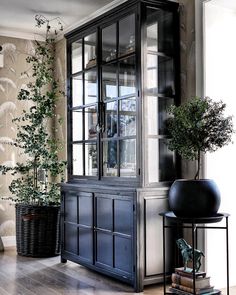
column 187, row 253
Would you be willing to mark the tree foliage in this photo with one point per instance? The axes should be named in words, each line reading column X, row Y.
column 198, row 126
column 35, row 179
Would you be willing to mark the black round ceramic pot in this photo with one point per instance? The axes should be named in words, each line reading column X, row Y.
column 194, row 198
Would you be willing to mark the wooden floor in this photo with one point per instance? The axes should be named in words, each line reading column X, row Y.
column 28, row 276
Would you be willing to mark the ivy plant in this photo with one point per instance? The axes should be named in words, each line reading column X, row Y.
column 198, row 126
column 35, row 179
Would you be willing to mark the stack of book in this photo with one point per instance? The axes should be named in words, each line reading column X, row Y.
column 182, row 283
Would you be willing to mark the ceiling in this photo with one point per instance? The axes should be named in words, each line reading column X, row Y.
column 17, row 16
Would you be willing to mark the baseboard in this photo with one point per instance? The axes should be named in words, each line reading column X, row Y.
column 9, row 241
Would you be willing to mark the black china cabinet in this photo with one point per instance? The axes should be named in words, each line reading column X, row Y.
column 123, row 71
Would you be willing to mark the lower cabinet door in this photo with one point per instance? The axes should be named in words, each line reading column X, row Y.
column 114, row 228
column 78, row 225
column 98, row 230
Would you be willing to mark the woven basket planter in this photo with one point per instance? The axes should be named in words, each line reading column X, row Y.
column 37, row 230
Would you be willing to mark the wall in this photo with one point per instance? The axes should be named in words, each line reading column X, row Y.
column 11, row 81
column 187, row 65
column 220, row 64
column 61, row 108
column 187, row 49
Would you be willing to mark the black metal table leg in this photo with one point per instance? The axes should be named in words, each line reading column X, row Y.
column 164, row 255
column 227, row 254
column 193, row 243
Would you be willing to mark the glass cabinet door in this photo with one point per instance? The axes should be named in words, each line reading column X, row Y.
column 119, row 98
column 123, row 69
column 103, row 101
column 84, row 106
column 159, row 93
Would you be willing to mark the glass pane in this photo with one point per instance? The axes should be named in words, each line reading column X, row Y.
column 109, row 43
column 153, row 154
column 166, row 162
column 111, row 119
column 90, row 122
column 160, row 75
column 127, row 117
column 127, row 35
column 110, row 158
column 109, row 84
column 77, row 91
column 77, row 159
column 91, row 159
column 127, row 77
column 76, row 56
column 152, row 76
column 159, row 34
column 163, row 105
column 77, row 125
column 90, row 58
column 157, row 114
column 165, row 32
column 128, row 158
column 166, row 76
column 152, row 30
column 90, row 86
column 152, row 115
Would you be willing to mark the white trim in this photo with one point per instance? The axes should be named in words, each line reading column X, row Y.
column 200, row 86
column 97, row 13
column 20, row 35
column 9, row 241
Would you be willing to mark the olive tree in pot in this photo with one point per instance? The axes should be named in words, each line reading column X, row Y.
column 34, row 188
column 196, row 127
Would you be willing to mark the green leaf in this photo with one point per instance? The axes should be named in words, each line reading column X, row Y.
column 198, row 126
column 33, row 136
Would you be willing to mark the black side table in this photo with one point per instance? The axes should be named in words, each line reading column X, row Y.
column 194, row 224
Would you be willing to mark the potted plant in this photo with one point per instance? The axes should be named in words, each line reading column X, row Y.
column 35, row 189
column 196, row 127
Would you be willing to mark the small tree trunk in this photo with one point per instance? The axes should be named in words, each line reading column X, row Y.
column 198, row 164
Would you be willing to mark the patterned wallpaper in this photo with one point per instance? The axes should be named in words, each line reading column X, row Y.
column 12, row 80
column 61, row 108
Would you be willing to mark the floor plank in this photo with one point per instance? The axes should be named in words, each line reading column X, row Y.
column 47, row 276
